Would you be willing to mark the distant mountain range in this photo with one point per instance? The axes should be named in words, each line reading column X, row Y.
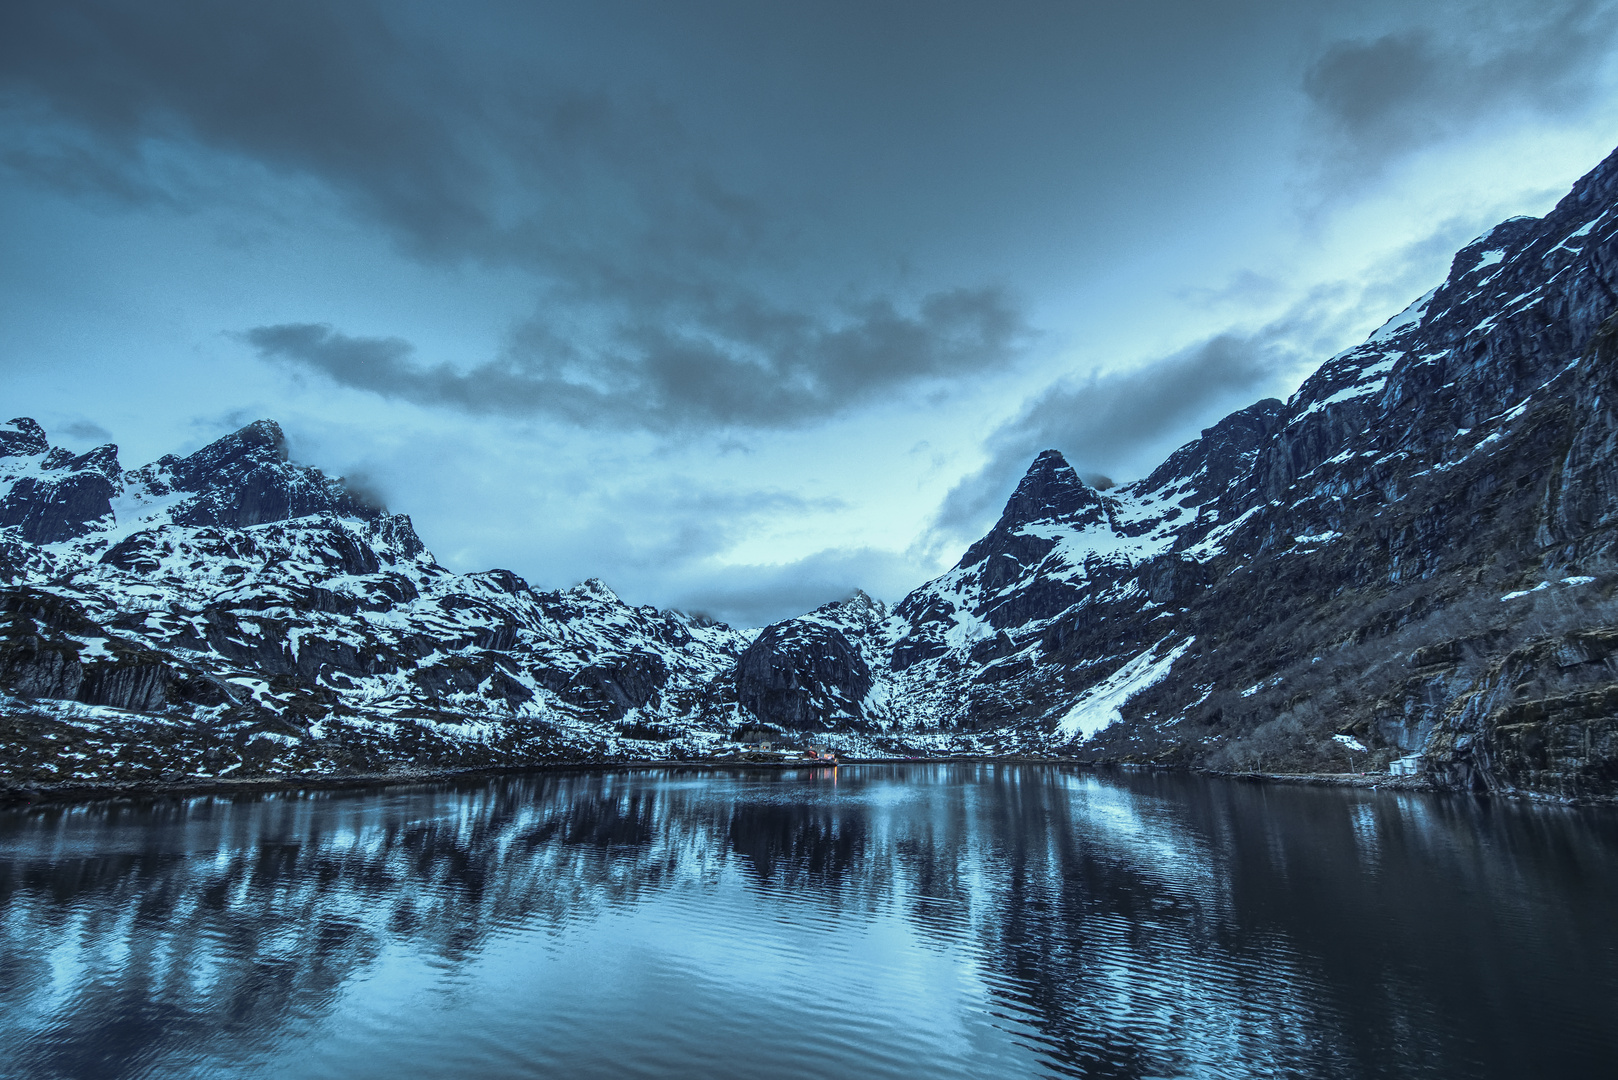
column 1409, row 566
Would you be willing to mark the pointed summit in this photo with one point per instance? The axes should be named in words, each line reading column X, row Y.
column 593, row 588
column 245, row 478
column 1050, row 491
column 260, row 443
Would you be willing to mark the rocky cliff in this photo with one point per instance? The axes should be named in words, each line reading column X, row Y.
column 1414, row 554
column 1407, row 566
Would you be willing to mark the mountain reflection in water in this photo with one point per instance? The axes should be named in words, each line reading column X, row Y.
column 908, row 920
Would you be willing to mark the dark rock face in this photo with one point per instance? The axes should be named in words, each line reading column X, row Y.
column 42, row 655
column 1173, row 580
column 25, row 439
column 47, row 511
column 618, row 684
column 245, row 479
column 136, row 682
column 1541, row 718
column 1225, row 451
column 67, row 498
column 802, row 676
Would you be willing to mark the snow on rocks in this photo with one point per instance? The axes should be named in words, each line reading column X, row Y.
column 1100, row 706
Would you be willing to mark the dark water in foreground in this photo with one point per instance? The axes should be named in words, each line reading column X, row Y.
column 914, row 921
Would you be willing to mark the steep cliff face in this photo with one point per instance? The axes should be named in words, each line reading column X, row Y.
column 1416, row 553
column 1375, row 557
column 802, row 676
column 53, row 495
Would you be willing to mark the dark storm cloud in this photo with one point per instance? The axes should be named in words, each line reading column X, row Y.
column 1402, row 90
column 368, row 363
column 299, row 86
column 658, row 270
column 457, row 161
column 748, row 366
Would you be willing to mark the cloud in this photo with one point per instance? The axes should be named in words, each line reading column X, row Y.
column 1389, row 95
column 1125, row 422
column 363, row 102
column 661, row 286
column 747, row 366
column 86, row 431
column 657, row 532
column 757, row 595
column 1113, row 419
column 678, row 525
column 461, row 152
column 366, row 363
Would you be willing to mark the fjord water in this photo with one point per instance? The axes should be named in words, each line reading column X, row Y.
column 872, row 921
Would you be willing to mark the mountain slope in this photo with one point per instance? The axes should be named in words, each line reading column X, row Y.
column 1432, row 509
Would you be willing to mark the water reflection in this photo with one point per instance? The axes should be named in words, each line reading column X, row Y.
column 903, row 920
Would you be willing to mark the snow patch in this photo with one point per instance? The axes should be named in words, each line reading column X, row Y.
column 1408, row 317
column 1100, row 706
column 1543, row 585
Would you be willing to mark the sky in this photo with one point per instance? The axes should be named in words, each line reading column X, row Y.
column 741, row 306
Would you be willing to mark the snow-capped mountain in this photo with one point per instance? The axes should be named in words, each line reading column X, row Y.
column 1414, row 553
column 232, row 610
column 1408, row 566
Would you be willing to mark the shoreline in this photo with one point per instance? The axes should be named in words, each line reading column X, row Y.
column 26, row 796
column 22, row 796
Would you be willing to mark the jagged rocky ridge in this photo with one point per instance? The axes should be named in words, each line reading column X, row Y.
column 1413, row 555
column 232, row 612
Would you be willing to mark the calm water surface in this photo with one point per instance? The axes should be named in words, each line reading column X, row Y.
column 903, row 921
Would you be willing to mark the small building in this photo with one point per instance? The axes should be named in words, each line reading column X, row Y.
column 1409, row 765
column 757, row 736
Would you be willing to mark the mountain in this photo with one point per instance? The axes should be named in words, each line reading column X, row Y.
column 1407, row 567
column 232, row 612
column 1413, row 555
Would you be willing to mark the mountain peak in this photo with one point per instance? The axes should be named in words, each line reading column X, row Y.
column 593, row 588
column 28, row 438
column 260, row 443
column 1049, row 491
column 246, row 478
